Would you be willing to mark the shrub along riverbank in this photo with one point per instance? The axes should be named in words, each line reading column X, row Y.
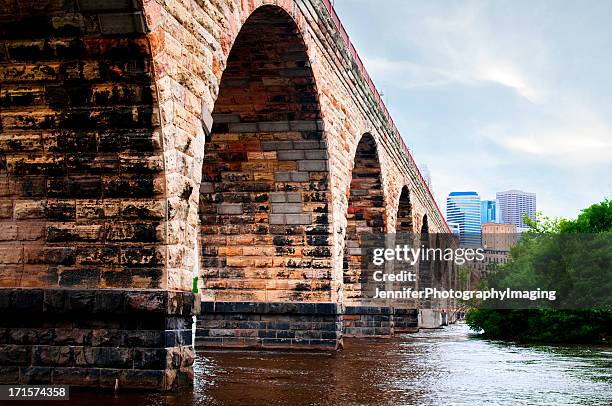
column 572, row 257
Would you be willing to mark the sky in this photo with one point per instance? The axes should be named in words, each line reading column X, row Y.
column 497, row 95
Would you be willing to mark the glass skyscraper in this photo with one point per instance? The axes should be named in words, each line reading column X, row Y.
column 489, row 211
column 463, row 208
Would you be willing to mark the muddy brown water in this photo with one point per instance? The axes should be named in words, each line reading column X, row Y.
column 449, row 366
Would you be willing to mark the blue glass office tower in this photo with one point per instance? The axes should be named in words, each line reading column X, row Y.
column 463, row 208
column 489, row 211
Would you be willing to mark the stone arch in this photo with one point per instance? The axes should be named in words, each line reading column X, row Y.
column 405, row 235
column 366, row 219
column 403, row 222
column 263, row 205
column 424, row 264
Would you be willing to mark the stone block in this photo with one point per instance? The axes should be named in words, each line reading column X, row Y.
column 276, row 145
column 312, row 166
column 225, row 118
column 242, row 127
column 306, row 145
column 305, row 125
column 273, row 126
column 315, row 154
column 290, row 155
column 298, row 219
column 229, row 208
column 280, row 208
column 277, row 219
column 35, row 375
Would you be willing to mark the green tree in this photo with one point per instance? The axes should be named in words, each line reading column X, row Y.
column 571, row 257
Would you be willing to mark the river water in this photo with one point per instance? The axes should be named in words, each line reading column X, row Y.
column 448, row 366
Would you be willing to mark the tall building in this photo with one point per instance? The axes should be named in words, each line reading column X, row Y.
column 463, row 208
column 514, row 204
column 489, row 211
column 426, row 176
column 455, row 228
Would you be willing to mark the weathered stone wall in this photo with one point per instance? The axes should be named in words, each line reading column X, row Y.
column 81, row 164
column 264, row 196
column 269, row 325
column 365, row 220
column 83, row 203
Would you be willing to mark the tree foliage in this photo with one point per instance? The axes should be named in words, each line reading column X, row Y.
column 571, row 257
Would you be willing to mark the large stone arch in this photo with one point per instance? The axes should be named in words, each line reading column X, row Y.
column 366, row 219
column 263, row 206
column 264, row 191
column 405, row 313
column 425, row 278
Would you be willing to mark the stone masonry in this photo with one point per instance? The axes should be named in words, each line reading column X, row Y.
column 143, row 141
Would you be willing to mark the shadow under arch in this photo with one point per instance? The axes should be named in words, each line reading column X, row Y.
column 425, row 277
column 403, row 222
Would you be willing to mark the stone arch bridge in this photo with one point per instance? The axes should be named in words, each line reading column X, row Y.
column 144, row 140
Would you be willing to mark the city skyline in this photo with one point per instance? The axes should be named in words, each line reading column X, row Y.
column 467, row 214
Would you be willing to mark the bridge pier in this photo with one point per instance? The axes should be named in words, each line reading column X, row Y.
column 381, row 321
column 308, row 326
column 96, row 337
column 368, row 321
column 405, row 320
column 258, row 325
column 432, row 318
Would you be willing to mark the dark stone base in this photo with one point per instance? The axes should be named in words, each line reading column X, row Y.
column 367, row 321
column 405, row 320
column 96, row 337
column 377, row 321
column 254, row 325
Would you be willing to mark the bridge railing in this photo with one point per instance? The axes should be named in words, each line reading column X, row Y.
column 379, row 100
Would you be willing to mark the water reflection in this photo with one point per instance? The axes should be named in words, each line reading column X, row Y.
column 434, row 367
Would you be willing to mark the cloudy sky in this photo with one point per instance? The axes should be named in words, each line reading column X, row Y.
column 497, row 95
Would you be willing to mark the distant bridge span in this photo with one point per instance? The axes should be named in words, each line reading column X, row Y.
column 143, row 140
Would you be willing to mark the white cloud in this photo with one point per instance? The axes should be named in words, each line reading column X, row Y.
column 507, row 75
